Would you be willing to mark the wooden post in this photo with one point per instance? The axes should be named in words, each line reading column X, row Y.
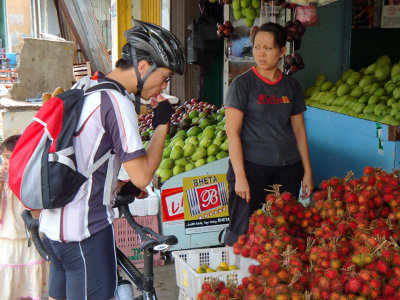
column 81, row 17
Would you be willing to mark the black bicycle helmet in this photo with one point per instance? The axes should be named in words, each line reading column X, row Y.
column 165, row 49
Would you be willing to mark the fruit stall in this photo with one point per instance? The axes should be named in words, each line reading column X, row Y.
column 190, row 182
column 344, row 246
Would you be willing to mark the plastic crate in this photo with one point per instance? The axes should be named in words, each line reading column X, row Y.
column 183, row 295
column 128, row 241
column 186, row 263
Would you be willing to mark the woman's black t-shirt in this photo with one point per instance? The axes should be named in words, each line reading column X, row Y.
column 267, row 134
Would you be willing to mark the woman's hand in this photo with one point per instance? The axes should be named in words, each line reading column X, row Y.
column 242, row 188
column 307, row 186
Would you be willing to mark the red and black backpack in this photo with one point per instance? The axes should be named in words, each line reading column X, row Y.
column 42, row 169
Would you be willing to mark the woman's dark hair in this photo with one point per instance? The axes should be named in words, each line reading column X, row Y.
column 126, row 63
column 9, row 143
column 277, row 30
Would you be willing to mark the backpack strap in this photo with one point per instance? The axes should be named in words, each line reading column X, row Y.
column 98, row 163
column 62, row 157
column 103, row 86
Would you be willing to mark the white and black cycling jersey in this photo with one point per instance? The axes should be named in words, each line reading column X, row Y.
column 108, row 121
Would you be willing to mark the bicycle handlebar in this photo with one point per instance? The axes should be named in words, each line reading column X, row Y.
column 32, row 230
column 149, row 238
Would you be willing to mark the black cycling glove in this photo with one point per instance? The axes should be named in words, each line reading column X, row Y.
column 162, row 113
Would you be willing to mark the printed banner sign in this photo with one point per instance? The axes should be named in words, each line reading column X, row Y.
column 172, row 204
column 205, row 203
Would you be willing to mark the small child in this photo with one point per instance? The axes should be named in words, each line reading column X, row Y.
column 23, row 272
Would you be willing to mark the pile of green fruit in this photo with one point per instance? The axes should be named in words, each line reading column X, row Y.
column 246, row 9
column 196, row 137
column 372, row 93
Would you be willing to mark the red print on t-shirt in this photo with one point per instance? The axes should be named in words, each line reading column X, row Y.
column 272, row 99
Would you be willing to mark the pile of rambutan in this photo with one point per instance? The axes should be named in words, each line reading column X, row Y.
column 344, row 245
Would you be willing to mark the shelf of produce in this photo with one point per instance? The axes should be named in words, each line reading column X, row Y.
column 177, row 228
column 339, row 143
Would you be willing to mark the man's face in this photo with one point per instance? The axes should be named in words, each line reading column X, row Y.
column 156, row 82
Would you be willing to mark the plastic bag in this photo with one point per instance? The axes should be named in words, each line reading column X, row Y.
column 300, row 2
column 325, row 2
column 307, row 15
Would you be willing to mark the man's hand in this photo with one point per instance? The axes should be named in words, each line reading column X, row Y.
column 163, row 111
column 143, row 194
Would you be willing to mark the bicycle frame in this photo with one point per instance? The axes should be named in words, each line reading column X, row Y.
column 143, row 282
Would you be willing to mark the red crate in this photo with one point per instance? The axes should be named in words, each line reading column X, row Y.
column 128, row 241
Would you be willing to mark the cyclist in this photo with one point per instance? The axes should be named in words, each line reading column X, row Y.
column 79, row 236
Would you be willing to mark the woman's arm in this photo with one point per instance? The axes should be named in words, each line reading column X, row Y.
column 302, row 145
column 234, row 121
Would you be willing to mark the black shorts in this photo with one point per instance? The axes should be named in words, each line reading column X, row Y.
column 260, row 177
column 83, row 270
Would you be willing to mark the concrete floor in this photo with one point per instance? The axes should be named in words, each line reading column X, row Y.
column 165, row 282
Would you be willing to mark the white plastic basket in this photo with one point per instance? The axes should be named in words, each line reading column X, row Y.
column 187, row 261
column 183, row 295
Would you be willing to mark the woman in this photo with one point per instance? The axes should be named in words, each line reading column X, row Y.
column 266, row 133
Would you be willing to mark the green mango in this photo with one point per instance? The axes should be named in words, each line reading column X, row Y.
column 209, row 132
column 200, row 162
column 343, row 89
column 383, row 60
column 320, row 80
column 198, row 154
column 211, row 158
column 213, row 149
column 389, row 88
column 354, row 78
column 194, row 131
column 370, row 69
column 364, row 98
column 192, row 140
column 190, row 166
column 380, row 92
column 222, row 155
column 181, row 162
column 369, row 109
column 224, row 146
column 396, row 93
column 373, row 99
column 176, row 152
column 177, row 170
column 326, row 86
column 382, row 73
column 391, row 102
column 395, row 70
column 346, row 74
column 366, row 80
column 188, row 149
column 165, row 174
column 357, row 91
column 166, row 152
